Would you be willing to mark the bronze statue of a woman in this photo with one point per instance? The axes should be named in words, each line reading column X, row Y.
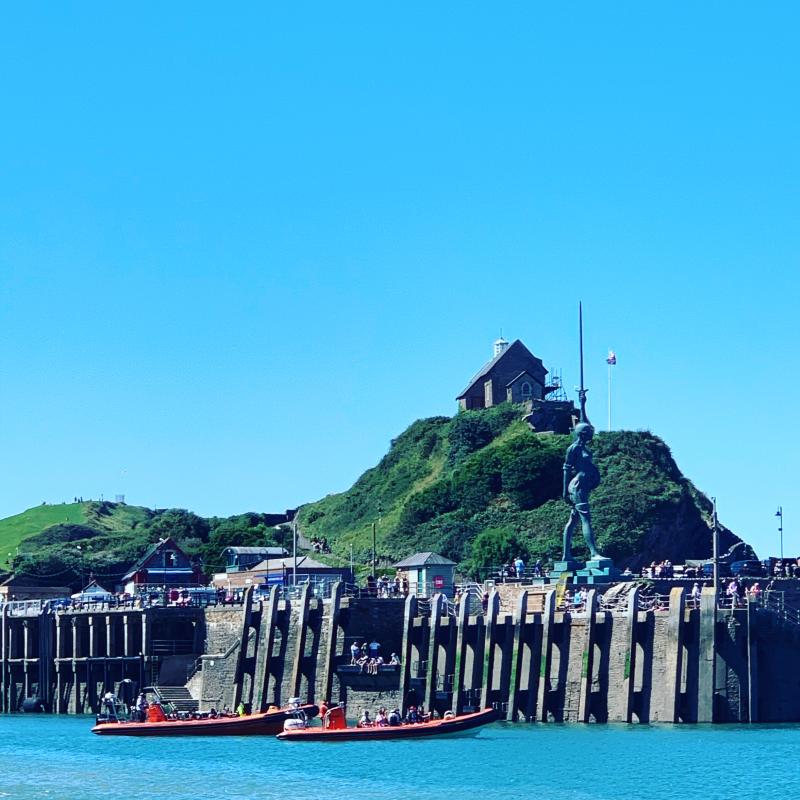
column 580, row 477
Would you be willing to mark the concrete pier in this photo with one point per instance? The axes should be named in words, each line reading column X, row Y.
column 636, row 661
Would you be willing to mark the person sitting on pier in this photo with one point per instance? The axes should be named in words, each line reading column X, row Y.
column 395, row 660
column 363, row 661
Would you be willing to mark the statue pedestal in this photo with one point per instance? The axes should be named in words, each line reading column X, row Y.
column 598, row 570
column 564, row 569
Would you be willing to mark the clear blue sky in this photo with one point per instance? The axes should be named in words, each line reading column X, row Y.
column 242, row 247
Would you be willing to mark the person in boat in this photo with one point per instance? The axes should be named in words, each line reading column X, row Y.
column 212, row 713
column 141, row 707
column 110, row 702
column 364, row 720
column 381, row 718
column 412, row 715
column 240, row 709
column 394, row 719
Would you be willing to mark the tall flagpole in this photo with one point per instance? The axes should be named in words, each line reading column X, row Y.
column 611, row 361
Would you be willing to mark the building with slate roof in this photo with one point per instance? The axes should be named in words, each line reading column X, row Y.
column 163, row 564
column 428, row 573
column 279, row 571
column 514, row 375
column 243, row 558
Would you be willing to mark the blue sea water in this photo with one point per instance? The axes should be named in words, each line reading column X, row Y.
column 57, row 757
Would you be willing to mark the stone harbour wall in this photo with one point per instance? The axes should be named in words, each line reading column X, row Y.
column 622, row 662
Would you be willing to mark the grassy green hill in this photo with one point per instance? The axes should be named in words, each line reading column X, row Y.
column 14, row 530
column 66, row 544
column 482, row 487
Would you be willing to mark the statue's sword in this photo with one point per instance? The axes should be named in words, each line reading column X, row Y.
column 582, row 390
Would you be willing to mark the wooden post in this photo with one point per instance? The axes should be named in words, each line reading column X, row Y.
column 629, row 676
column 520, row 613
column 585, row 696
column 244, row 639
column 461, row 655
column 405, row 666
column 707, row 655
column 269, row 642
column 302, row 629
column 752, row 665
column 337, row 591
column 493, row 609
column 434, row 633
column 548, row 623
column 673, row 666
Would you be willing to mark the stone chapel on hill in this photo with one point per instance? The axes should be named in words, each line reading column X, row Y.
column 515, row 375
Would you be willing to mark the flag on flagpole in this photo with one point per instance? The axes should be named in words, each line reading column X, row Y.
column 612, row 357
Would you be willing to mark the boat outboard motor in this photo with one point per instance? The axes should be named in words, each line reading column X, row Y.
column 299, row 719
column 33, row 705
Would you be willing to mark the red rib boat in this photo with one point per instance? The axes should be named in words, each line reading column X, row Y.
column 438, row 727
column 268, row 722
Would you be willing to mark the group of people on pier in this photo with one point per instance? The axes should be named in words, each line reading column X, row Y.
column 367, row 656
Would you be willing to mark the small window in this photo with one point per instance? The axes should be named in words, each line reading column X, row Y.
column 526, row 389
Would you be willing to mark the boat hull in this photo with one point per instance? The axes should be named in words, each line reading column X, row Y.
column 442, row 727
column 268, row 723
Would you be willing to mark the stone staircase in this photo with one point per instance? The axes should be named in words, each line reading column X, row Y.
column 178, row 696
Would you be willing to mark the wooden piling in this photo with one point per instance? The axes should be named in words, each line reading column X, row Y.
column 629, row 675
column 587, row 658
column 548, row 623
column 673, row 666
column 410, row 612
column 489, row 655
column 337, row 591
column 434, row 642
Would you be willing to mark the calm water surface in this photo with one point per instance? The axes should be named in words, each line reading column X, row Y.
column 57, row 757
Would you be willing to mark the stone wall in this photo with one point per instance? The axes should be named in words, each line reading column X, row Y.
column 635, row 665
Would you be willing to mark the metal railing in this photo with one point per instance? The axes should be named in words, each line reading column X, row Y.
column 171, row 647
column 25, row 608
column 616, row 603
column 653, row 602
column 419, row 669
